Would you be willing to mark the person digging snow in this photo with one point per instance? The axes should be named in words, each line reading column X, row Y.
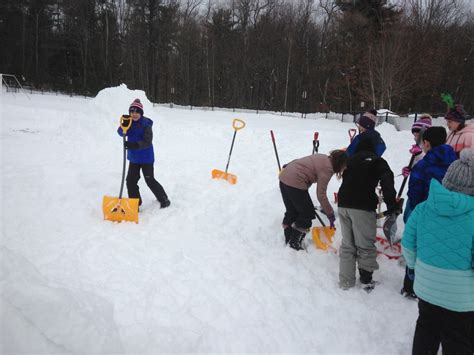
column 295, row 180
column 141, row 155
column 438, row 243
column 357, row 202
column 366, row 126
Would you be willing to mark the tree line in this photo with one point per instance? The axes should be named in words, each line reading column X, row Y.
column 281, row 55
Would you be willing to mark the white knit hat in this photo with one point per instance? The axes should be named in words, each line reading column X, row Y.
column 460, row 174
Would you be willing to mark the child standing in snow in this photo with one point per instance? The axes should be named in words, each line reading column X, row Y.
column 366, row 126
column 357, row 202
column 141, row 155
column 434, row 165
column 461, row 134
column 295, row 180
column 438, row 242
column 421, row 125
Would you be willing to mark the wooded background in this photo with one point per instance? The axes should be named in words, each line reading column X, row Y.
column 281, row 55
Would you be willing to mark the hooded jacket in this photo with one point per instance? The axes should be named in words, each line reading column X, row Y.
column 461, row 139
column 438, row 242
column 360, row 178
column 371, row 135
column 140, row 132
column 433, row 166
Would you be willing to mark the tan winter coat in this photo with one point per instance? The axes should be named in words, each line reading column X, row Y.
column 462, row 139
column 313, row 169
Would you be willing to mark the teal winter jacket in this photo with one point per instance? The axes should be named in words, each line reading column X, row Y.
column 438, row 242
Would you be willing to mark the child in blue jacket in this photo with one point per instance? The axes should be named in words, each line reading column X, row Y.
column 366, row 126
column 438, row 243
column 438, row 157
column 141, row 155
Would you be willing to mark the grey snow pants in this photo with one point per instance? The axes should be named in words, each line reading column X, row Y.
column 359, row 229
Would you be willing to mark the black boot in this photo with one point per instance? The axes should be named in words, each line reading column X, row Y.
column 365, row 276
column 165, row 203
column 296, row 238
column 287, row 231
column 408, row 281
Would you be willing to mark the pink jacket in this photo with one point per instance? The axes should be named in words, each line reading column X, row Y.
column 462, row 139
column 313, row 169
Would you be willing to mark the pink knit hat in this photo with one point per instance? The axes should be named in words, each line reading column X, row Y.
column 136, row 106
column 423, row 123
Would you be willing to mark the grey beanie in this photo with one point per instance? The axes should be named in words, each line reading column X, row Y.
column 460, row 174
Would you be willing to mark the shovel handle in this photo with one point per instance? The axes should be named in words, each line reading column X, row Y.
column 352, row 132
column 237, row 124
column 125, row 128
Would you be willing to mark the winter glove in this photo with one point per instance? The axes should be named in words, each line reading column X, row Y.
column 406, row 171
column 415, row 150
column 125, row 120
column 131, row 145
column 332, row 221
column 398, row 208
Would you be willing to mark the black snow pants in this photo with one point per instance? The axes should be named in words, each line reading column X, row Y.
column 299, row 207
column 132, row 182
column 437, row 325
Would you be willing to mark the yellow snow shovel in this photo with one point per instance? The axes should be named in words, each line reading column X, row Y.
column 120, row 209
column 327, row 232
column 219, row 174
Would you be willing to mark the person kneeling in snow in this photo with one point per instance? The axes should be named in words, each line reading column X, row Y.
column 438, row 242
column 141, row 155
column 295, row 180
column 357, row 202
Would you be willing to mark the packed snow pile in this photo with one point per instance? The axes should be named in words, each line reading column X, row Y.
column 210, row 273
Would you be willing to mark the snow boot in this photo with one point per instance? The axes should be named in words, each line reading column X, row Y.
column 165, row 203
column 287, row 230
column 368, row 284
column 408, row 281
column 296, row 238
column 365, row 276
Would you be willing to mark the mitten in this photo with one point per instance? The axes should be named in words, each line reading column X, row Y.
column 406, row 171
column 415, row 150
column 332, row 221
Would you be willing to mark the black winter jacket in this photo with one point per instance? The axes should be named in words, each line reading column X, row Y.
column 363, row 173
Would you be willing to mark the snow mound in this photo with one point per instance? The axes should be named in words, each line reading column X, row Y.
column 115, row 101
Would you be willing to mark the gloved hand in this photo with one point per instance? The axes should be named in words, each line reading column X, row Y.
column 406, row 171
column 398, row 208
column 131, row 145
column 415, row 150
column 332, row 221
column 125, row 120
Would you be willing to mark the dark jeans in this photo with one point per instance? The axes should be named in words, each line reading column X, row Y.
column 437, row 325
column 132, row 182
column 299, row 206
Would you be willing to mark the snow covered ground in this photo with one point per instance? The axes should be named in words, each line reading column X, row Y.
column 208, row 274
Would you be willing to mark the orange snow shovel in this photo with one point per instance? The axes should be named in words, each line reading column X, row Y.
column 121, row 209
column 327, row 232
column 219, row 174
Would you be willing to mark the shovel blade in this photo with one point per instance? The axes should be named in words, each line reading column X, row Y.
column 118, row 210
column 318, row 232
column 219, row 174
